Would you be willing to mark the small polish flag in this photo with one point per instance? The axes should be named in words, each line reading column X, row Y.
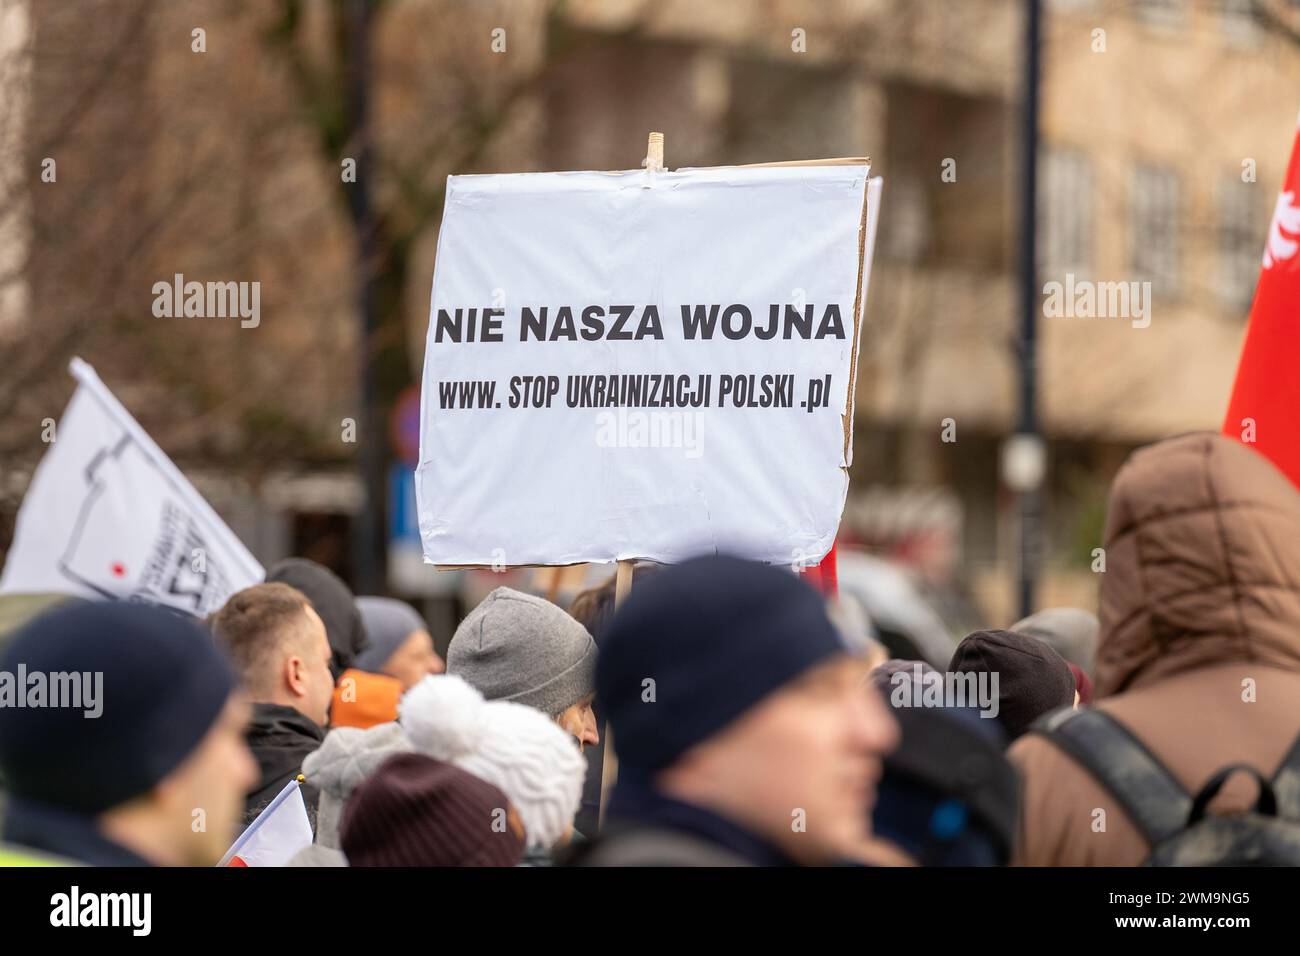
column 279, row 831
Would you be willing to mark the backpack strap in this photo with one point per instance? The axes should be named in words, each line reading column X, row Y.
column 1157, row 804
column 1286, row 784
column 1265, row 803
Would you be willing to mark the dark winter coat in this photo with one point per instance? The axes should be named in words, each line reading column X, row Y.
column 280, row 739
column 647, row 828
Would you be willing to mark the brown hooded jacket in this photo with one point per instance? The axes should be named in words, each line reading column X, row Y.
column 1199, row 653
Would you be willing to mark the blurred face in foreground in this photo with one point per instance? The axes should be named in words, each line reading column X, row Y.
column 192, row 815
column 799, row 768
column 414, row 660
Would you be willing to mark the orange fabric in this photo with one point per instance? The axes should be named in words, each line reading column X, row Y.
column 362, row 699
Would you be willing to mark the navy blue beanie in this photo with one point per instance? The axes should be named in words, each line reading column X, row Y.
column 716, row 635
column 163, row 687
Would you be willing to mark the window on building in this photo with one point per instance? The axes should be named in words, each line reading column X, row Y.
column 1164, row 13
column 324, row 537
column 1154, row 237
column 784, row 110
column 1237, row 18
column 606, row 92
column 1065, row 197
column 945, row 161
column 1241, row 227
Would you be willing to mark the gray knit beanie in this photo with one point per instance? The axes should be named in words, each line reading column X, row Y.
column 521, row 648
column 1070, row 631
column 388, row 623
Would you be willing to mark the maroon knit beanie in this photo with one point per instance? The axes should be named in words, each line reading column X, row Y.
column 417, row 811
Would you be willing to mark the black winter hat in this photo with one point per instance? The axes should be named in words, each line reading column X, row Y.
column 716, row 635
column 162, row 685
column 333, row 601
column 1032, row 678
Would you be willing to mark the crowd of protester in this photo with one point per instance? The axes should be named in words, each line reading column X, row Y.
column 725, row 714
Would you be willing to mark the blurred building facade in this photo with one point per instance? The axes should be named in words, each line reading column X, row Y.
column 1162, row 149
column 1163, row 146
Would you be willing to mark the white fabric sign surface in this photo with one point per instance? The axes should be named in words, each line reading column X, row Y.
column 109, row 515
column 643, row 364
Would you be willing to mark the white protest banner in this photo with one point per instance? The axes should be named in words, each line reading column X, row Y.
column 108, row 515
column 647, row 364
column 279, row 831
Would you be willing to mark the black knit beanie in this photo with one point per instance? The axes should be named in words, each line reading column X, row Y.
column 1032, row 678
column 333, row 601
column 715, row 635
column 161, row 685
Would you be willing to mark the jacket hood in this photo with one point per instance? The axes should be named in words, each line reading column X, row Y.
column 1202, row 563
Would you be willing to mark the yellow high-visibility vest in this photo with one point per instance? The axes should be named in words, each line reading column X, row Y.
column 21, row 856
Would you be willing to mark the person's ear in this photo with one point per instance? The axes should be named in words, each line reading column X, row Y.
column 295, row 675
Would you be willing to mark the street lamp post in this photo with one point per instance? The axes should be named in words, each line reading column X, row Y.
column 1024, row 455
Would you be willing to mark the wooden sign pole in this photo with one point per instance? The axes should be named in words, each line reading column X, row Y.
column 622, row 583
column 609, row 765
column 654, row 154
column 654, row 163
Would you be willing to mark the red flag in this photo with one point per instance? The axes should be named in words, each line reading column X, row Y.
column 1265, row 405
column 825, row 575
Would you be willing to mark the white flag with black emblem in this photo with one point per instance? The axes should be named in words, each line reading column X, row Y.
column 109, row 515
